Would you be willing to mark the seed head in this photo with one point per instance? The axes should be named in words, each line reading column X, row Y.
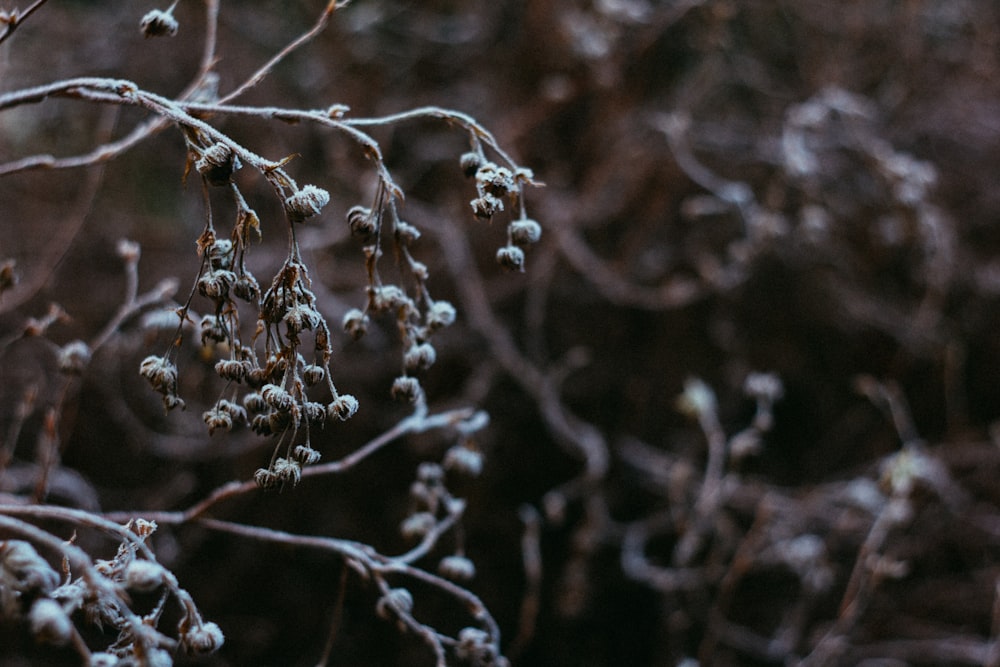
column 217, row 164
column 485, row 206
column 361, row 222
column 343, row 407
column 440, row 314
column 457, row 568
column 203, row 639
column 470, row 163
column 74, row 357
column 419, row 357
column 405, row 389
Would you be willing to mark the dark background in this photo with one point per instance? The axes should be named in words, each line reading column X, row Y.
column 904, row 291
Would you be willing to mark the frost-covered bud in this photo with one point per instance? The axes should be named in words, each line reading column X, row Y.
column 217, row 164
column 440, row 314
column 160, row 372
column 495, row 180
column 417, row 525
column 254, row 402
column 419, row 357
column 511, row 257
column 220, row 254
column 343, row 407
column 430, row 473
column 464, row 459
column 470, row 163
column 396, row 601
column 486, row 206
column 765, row 386
column 211, row 330
column 525, row 232
column 215, row 284
column 406, row 233
column 313, row 374
column 231, row 370
column 457, row 568
column 217, row 419
column 307, row 202
column 247, row 288
column 203, row 639
column 265, row 479
column 49, row 622
column 143, row 576
column 474, row 646
column 405, row 389
column 361, row 222
column 158, row 23
column 355, row 323
column 305, row 455
column 74, row 357
column 277, row 397
column 287, row 470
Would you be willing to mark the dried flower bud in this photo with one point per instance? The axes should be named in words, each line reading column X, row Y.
column 301, row 317
column 211, row 330
column 485, row 206
column 277, row 397
column 474, row 647
column 49, row 622
column 254, row 402
column 246, row 288
column 525, row 232
column 440, row 314
column 406, row 233
column 511, row 257
column 419, row 357
column 74, row 357
column 355, row 323
column 264, row 478
column 457, row 568
column 314, row 412
column 361, row 222
column 405, row 389
column 220, row 254
column 343, row 407
column 287, row 470
column 261, row 424
column 216, row 419
column 430, row 473
column 203, row 639
column 231, row 370
column 215, row 284
column 160, row 372
column 158, row 23
column 313, row 374
column 417, row 525
column 305, row 455
column 143, row 576
column 464, row 459
column 396, row 601
column 217, row 164
column 391, row 297
column 470, row 163
column 307, row 202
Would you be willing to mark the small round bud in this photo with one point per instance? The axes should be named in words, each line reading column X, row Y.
column 128, row 250
column 49, row 622
column 485, row 206
column 305, row 455
column 313, row 374
column 247, row 288
column 511, row 258
column 143, row 576
column 355, row 323
column 417, row 525
column 361, row 222
column 217, row 164
column 405, row 389
column 457, row 568
column 525, row 232
column 204, row 639
column 464, row 459
column 470, row 163
column 158, row 23
column 419, row 357
column 440, row 314
column 74, row 357
column 343, row 407
column 307, row 202
column 396, row 601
